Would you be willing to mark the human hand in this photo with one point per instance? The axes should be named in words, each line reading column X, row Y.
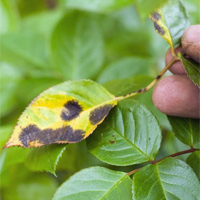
column 177, row 95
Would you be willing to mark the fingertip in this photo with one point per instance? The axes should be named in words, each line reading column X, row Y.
column 177, row 96
column 177, row 67
column 191, row 42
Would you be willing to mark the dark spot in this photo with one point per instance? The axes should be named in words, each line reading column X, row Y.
column 48, row 136
column 156, row 16
column 113, row 135
column 158, row 77
column 27, row 117
column 28, row 134
column 112, row 141
column 149, row 138
column 71, row 110
column 99, row 113
column 159, row 29
column 142, row 90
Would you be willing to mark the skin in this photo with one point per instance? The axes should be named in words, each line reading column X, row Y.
column 177, row 95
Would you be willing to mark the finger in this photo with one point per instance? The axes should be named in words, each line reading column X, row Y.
column 177, row 67
column 177, row 96
column 191, row 42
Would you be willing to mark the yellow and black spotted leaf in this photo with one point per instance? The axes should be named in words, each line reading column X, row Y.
column 65, row 113
column 170, row 21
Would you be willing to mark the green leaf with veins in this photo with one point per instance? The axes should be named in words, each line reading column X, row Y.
column 185, row 129
column 170, row 22
column 169, row 179
column 194, row 161
column 77, row 49
column 130, row 135
column 192, row 68
column 96, row 183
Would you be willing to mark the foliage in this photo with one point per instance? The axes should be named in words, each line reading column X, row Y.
column 64, row 42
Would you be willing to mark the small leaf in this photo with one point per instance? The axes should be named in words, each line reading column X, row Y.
column 192, row 68
column 66, row 113
column 145, row 7
column 77, row 46
column 170, row 21
column 168, row 179
column 130, row 135
column 194, row 161
column 96, row 183
column 96, row 5
column 185, row 129
column 44, row 158
column 124, row 68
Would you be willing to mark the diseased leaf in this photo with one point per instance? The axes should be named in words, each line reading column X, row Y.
column 77, row 46
column 124, row 68
column 96, row 183
column 168, row 179
column 96, row 5
column 192, row 68
column 44, row 158
column 66, row 113
column 130, row 135
column 145, row 7
column 194, row 161
column 185, row 129
column 170, row 22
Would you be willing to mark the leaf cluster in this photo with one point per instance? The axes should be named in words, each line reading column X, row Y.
column 44, row 44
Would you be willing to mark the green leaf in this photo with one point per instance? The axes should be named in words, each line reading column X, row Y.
column 77, row 46
column 65, row 113
column 168, row 179
column 185, row 129
column 5, row 131
column 8, row 16
column 8, row 88
column 24, row 49
column 129, row 135
column 96, row 183
column 44, row 158
column 192, row 68
column 145, row 7
column 96, row 5
column 124, row 68
column 170, row 22
column 194, row 161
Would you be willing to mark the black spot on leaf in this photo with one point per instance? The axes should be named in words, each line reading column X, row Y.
column 156, row 16
column 158, row 28
column 47, row 136
column 71, row 110
column 98, row 114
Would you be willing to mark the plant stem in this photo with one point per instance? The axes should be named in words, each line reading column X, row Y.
column 148, row 87
column 172, row 155
column 177, row 154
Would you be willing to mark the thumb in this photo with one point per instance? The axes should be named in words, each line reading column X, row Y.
column 191, row 42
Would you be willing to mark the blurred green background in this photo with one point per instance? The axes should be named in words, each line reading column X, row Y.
column 46, row 42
